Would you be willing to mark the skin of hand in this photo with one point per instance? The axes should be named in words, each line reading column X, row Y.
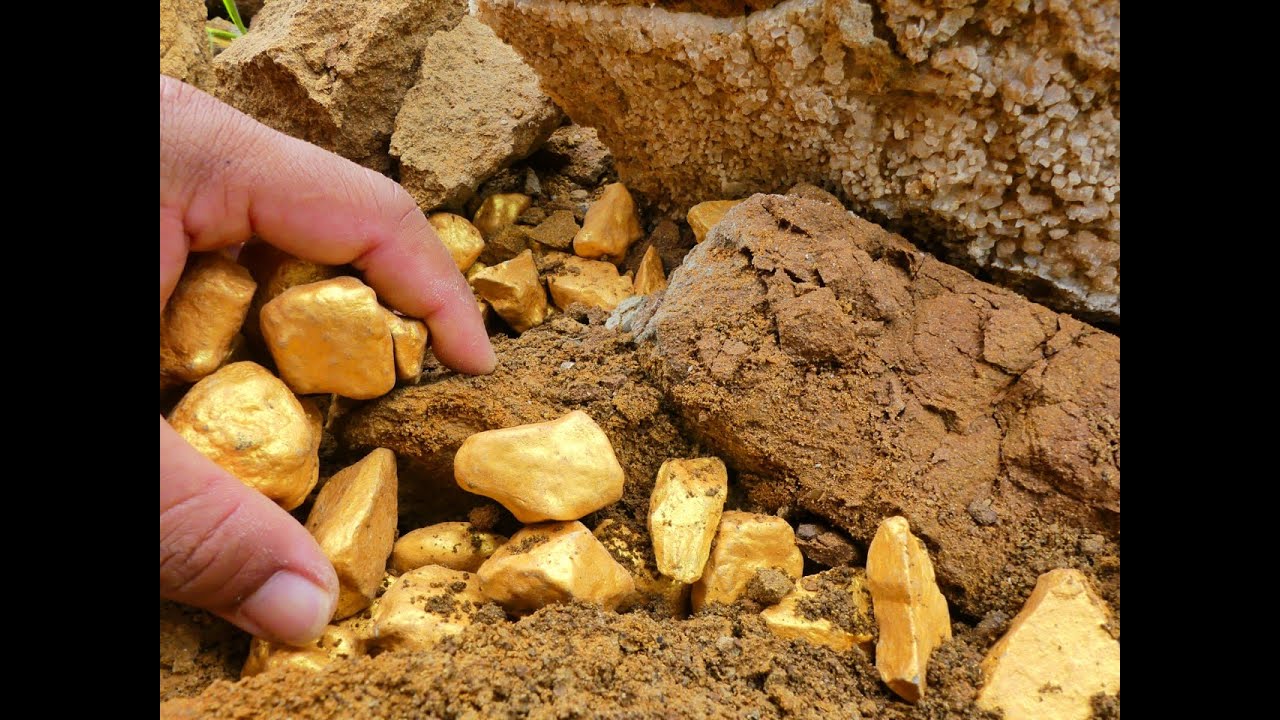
column 223, row 178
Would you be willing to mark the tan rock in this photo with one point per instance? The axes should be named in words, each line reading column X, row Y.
column 463, row 241
column 331, row 337
column 354, row 521
column 744, row 542
column 589, row 282
column 505, row 243
column 704, row 216
column 500, row 210
column 611, row 225
column 831, row 608
column 1056, row 655
column 910, row 610
column 424, row 606
column 409, row 343
column 556, row 470
column 649, row 276
column 633, row 551
column 514, row 291
column 276, row 271
column 347, row 639
column 684, row 514
column 292, row 73
column 553, row 563
column 203, row 316
column 248, row 422
column 475, row 109
column 184, row 46
column 455, row 545
column 557, row 231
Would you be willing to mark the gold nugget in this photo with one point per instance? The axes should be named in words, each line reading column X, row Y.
column 610, row 226
column 553, row 563
column 203, row 315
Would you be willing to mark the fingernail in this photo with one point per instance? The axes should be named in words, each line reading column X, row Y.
column 290, row 608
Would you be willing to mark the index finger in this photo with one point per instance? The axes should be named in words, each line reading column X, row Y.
column 227, row 177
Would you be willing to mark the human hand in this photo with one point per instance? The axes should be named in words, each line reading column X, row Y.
column 224, row 177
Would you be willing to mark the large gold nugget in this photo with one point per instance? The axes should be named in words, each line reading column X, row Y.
column 554, row 563
column 500, row 210
column 704, row 216
column 745, row 542
column 589, row 282
column 514, row 291
column 1056, row 655
column 343, row 640
column 249, row 423
column 610, row 226
column 354, row 521
column 806, row 612
column 684, row 512
column 331, row 337
column 462, row 239
column 556, row 470
column 425, row 606
column 455, row 545
column 409, row 339
column 910, row 609
column 649, row 276
column 204, row 313
column 276, row 271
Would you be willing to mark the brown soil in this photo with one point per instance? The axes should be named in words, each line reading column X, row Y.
column 196, row 649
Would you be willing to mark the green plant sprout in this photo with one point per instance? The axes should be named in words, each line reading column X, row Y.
column 226, row 36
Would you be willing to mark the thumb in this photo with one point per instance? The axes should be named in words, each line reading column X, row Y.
column 227, row 548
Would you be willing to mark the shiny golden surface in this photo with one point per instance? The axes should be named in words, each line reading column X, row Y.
column 649, row 276
column 788, row 618
column 704, row 216
column 204, row 313
column 632, row 550
column 344, row 640
column 354, row 521
column 245, row 420
column 455, row 545
column 552, row 563
column 556, row 470
column 409, row 340
column 424, row 606
column 743, row 543
column 684, row 513
column 610, row 226
column 331, row 337
column 514, row 291
column 910, row 609
column 590, row 282
column 500, row 210
column 276, row 271
column 462, row 239
column 1056, row 655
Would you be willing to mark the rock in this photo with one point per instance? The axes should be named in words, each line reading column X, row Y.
column 684, row 513
column 424, row 606
column 332, row 73
column 500, row 210
column 633, row 551
column 590, row 282
column 913, row 420
column 203, row 316
column 354, row 522
column 476, row 108
column 505, row 244
column 768, row 586
column 409, row 345
column 331, row 337
column 992, row 132
column 557, row 470
column 813, row 192
column 831, row 608
column 248, row 422
column 554, row 563
column 455, row 545
column 704, row 216
column 824, row 546
column 347, row 639
column 910, row 609
column 557, row 231
column 1057, row 655
column 649, row 277
column 462, row 239
column 514, row 291
column 276, row 271
column 577, row 153
column 611, row 225
column 184, row 46
column 744, row 543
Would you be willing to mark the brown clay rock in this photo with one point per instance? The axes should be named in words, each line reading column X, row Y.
column 475, row 109
column 184, row 47
column 989, row 130
column 838, row 370
column 332, row 73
